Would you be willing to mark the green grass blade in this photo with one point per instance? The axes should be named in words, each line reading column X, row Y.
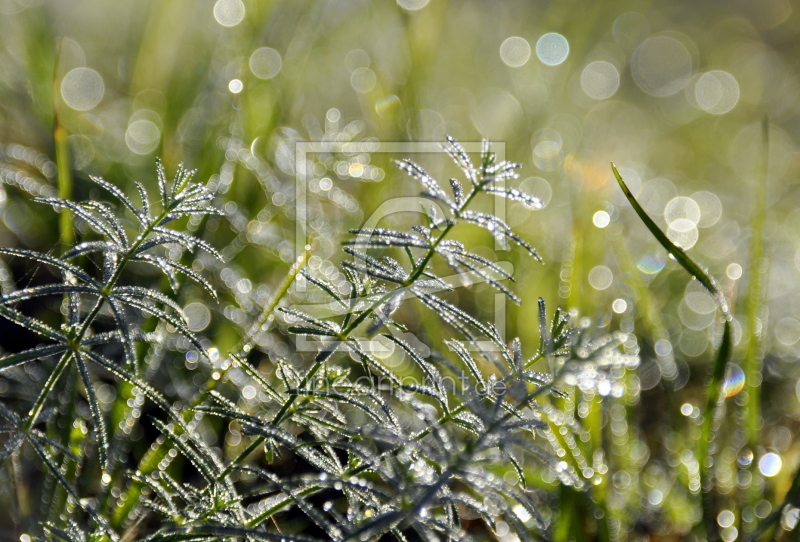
column 751, row 359
column 720, row 365
column 678, row 253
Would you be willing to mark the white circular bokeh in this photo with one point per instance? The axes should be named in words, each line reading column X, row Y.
column 552, row 49
column 716, row 92
column 229, row 12
column 515, row 51
column 600, row 80
column 82, row 89
column 661, row 66
column 265, row 63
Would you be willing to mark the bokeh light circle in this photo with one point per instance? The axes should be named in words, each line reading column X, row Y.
column 412, row 5
column 198, row 316
column 82, row 89
column 683, row 233
column 600, row 277
column 682, row 208
column 661, row 66
column 515, row 51
column 710, row 208
column 734, row 380
column 787, row 331
column 600, row 80
column 363, row 80
column 142, row 136
column 235, row 86
column 229, row 12
column 770, row 464
column 717, row 92
column 552, row 49
column 265, row 63
column 601, row 219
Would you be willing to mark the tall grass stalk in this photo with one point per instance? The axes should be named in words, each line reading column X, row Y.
column 752, row 352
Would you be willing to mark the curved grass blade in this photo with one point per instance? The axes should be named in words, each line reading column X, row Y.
column 678, row 253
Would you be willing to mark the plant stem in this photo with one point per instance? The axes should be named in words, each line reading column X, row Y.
column 33, row 414
column 752, row 354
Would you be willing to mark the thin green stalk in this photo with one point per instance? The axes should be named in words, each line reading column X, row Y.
column 63, row 161
column 752, row 355
column 708, row 522
column 33, row 414
column 64, row 168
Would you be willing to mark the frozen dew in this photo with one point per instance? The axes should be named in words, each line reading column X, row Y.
column 363, row 80
column 198, row 316
column 787, row 331
column 229, row 12
column 552, row 49
column 683, row 232
column 600, row 80
column 619, row 306
column 235, row 86
column 412, row 5
column 682, row 208
column 729, row 534
column 734, row 271
column 601, row 219
column 600, row 277
column 142, row 136
column 734, row 380
column 249, row 392
column 717, row 92
column 770, row 464
column 265, row 63
column 515, row 51
column 687, row 409
column 82, row 89
column 661, row 66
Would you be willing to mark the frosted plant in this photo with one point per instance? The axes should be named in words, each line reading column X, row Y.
column 421, row 453
column 429, row 454
column 102, row 316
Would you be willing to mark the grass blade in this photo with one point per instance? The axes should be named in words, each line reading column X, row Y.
column 721, row 363
column 678, row 253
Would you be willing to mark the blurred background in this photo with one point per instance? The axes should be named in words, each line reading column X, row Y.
column 674, row 93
